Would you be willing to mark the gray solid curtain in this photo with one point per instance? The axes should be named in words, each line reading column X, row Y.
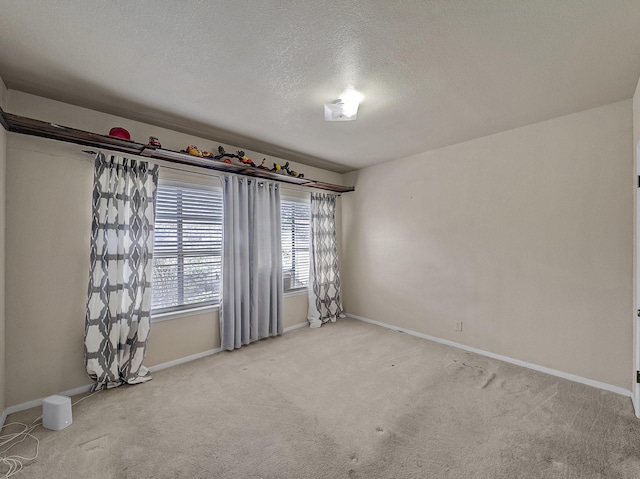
column 119, row 298
column 325, row 303
column 251, row 307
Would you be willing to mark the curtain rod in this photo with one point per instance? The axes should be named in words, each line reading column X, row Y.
column 214, row 174
column 29, row 126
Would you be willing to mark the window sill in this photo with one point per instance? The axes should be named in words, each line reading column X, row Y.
column 183, row 313
column 295, row 292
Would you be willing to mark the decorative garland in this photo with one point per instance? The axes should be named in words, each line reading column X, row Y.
column 242, row 159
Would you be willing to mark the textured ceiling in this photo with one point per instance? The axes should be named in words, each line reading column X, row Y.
column 257, row 73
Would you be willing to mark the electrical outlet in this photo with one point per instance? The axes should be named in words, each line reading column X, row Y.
column 459, row 326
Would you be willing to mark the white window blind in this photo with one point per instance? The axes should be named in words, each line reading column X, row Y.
column 295, row 243
column 188, row 248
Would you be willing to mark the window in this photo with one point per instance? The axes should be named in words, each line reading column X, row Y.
column 295, row 244
column 188, row 248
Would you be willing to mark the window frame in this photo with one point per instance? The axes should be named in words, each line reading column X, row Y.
column 184, row 310
column 305, row 200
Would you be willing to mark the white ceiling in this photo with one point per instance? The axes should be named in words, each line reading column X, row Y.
column 256, row 73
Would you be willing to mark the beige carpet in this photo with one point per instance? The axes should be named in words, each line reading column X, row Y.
column 349, row 400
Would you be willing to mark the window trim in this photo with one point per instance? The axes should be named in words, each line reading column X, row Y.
column 200, row 309
column 306, row 200
column 187, row 309
column 183, row 313
column 296, row 292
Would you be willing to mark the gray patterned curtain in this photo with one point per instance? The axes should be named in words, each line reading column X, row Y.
column 251, row 307
column 324, row 275
column 118, row 307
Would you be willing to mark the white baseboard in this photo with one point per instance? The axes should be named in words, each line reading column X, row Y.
column 158, row 367
column 38, row 402
column 636, row 407
column 204, row 354
column 186, row 359
column 296, row 326
column 3, row 418
column 518, row 362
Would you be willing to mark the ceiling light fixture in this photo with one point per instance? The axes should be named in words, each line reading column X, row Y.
column 345, row 108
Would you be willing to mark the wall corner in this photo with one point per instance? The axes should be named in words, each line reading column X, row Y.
column 3, row 163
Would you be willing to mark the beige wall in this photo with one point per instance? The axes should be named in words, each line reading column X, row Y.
column 3, row 163
column 524, row 236
column 48, row 224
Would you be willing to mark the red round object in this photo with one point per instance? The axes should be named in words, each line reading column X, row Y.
column 118, row 132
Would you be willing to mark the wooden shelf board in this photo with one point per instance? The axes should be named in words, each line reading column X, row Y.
column 30, row 126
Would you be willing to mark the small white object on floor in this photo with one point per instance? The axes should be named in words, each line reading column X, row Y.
column 56, row 412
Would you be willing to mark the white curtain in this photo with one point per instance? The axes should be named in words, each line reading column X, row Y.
column 251, row 306
column 325, row 303
column 119, row 300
